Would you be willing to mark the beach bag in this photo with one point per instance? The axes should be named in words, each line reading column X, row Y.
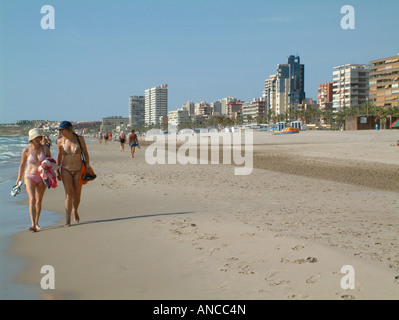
column 86, row 174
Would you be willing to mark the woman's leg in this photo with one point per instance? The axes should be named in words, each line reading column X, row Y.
column 76, row 199
column 40, row 189
column 67, row 180
column 30, row 186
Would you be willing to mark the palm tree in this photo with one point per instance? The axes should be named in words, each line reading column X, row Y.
column 239, row 120
column 249, row 118
column 269, row 115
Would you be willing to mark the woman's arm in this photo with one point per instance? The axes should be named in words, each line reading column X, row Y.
column 59, row 152
column 21, row 168
column 84, row 150
column 47, row 150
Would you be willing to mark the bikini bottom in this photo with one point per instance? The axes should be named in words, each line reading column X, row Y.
column 36, row 178
column 72, row 173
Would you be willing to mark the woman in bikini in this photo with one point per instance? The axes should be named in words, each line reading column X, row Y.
column 32, row 156
column 70, row 161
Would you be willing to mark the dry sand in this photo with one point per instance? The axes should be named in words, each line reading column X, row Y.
column 315, row 201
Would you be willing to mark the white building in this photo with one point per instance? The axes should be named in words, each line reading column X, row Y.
column 156, row 104
column 177, row 117
column 351, row 85
column 254, row 108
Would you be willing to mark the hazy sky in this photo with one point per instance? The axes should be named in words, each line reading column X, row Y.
column 101, row 52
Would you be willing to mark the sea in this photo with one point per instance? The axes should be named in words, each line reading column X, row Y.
column 14, row 218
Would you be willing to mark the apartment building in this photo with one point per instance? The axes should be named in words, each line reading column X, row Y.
column 136, row 111
column 269, row 94
column 110, row 123
column 351, row 85
column 254, row 108
column 156, row 104
column 234, row 108
column 384, row 82
column 325, row 96
column 176, row 117
column 190, row 107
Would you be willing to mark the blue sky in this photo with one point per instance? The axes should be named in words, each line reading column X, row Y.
column 101, row 52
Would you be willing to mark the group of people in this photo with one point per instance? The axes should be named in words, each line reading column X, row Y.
column 131, row 139
column 106, row 137
column 70, row 147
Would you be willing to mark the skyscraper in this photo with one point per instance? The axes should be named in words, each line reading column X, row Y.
column 286, row 90
column 136, row 111
column 156, row 104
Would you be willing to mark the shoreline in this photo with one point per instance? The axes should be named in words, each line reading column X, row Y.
column 199, row 232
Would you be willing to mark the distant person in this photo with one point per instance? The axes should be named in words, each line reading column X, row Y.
column 100, row 137
column 106, row 137
column 110, row 137
column 32, row 156
column 70, row 147
column 122, row 141
column 133, row 142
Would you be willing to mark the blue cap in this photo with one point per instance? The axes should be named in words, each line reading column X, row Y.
column 65, row 125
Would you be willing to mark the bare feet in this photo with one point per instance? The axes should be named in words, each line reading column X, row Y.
column 35, row 229
column 76, row 217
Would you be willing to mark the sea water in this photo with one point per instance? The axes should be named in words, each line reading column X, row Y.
column 14, row 218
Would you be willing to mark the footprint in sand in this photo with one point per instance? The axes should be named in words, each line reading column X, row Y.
column 298, row 247
column 313, row 279
column 307, row 260
column 246, row 270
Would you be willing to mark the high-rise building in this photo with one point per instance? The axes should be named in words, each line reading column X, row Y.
column 156, row 104
column 269, row 94
column 286, row 90
column 190, row 107
column 351, row 85
column 384, row 82
column 325, row 96
column 136, row 111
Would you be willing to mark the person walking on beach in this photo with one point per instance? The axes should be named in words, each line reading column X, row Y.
column 100, row 137
column 70, row 147
column 32, row 156
column 133, row 142
column 122, row 141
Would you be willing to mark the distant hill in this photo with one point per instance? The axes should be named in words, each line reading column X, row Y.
column 13, row 130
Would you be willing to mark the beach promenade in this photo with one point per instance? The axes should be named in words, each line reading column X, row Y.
column 314, row 202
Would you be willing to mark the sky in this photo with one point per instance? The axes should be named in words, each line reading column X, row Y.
column 101, row 52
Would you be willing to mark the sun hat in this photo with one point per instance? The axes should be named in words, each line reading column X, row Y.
column 65, row 125
column 33, row 133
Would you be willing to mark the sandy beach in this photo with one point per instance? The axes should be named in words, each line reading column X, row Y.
column 314, row 202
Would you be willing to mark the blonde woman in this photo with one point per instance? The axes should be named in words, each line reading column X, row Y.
column 70, row 147
column 31, row 157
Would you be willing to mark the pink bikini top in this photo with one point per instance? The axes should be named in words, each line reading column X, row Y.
column 33, row 159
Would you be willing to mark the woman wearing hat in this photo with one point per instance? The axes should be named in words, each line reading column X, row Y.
column 70, row 146
column 31, row 157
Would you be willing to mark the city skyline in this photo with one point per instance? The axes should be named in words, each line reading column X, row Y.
column 100, row 54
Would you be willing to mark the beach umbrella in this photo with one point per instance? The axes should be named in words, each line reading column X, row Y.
column 395, row 124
